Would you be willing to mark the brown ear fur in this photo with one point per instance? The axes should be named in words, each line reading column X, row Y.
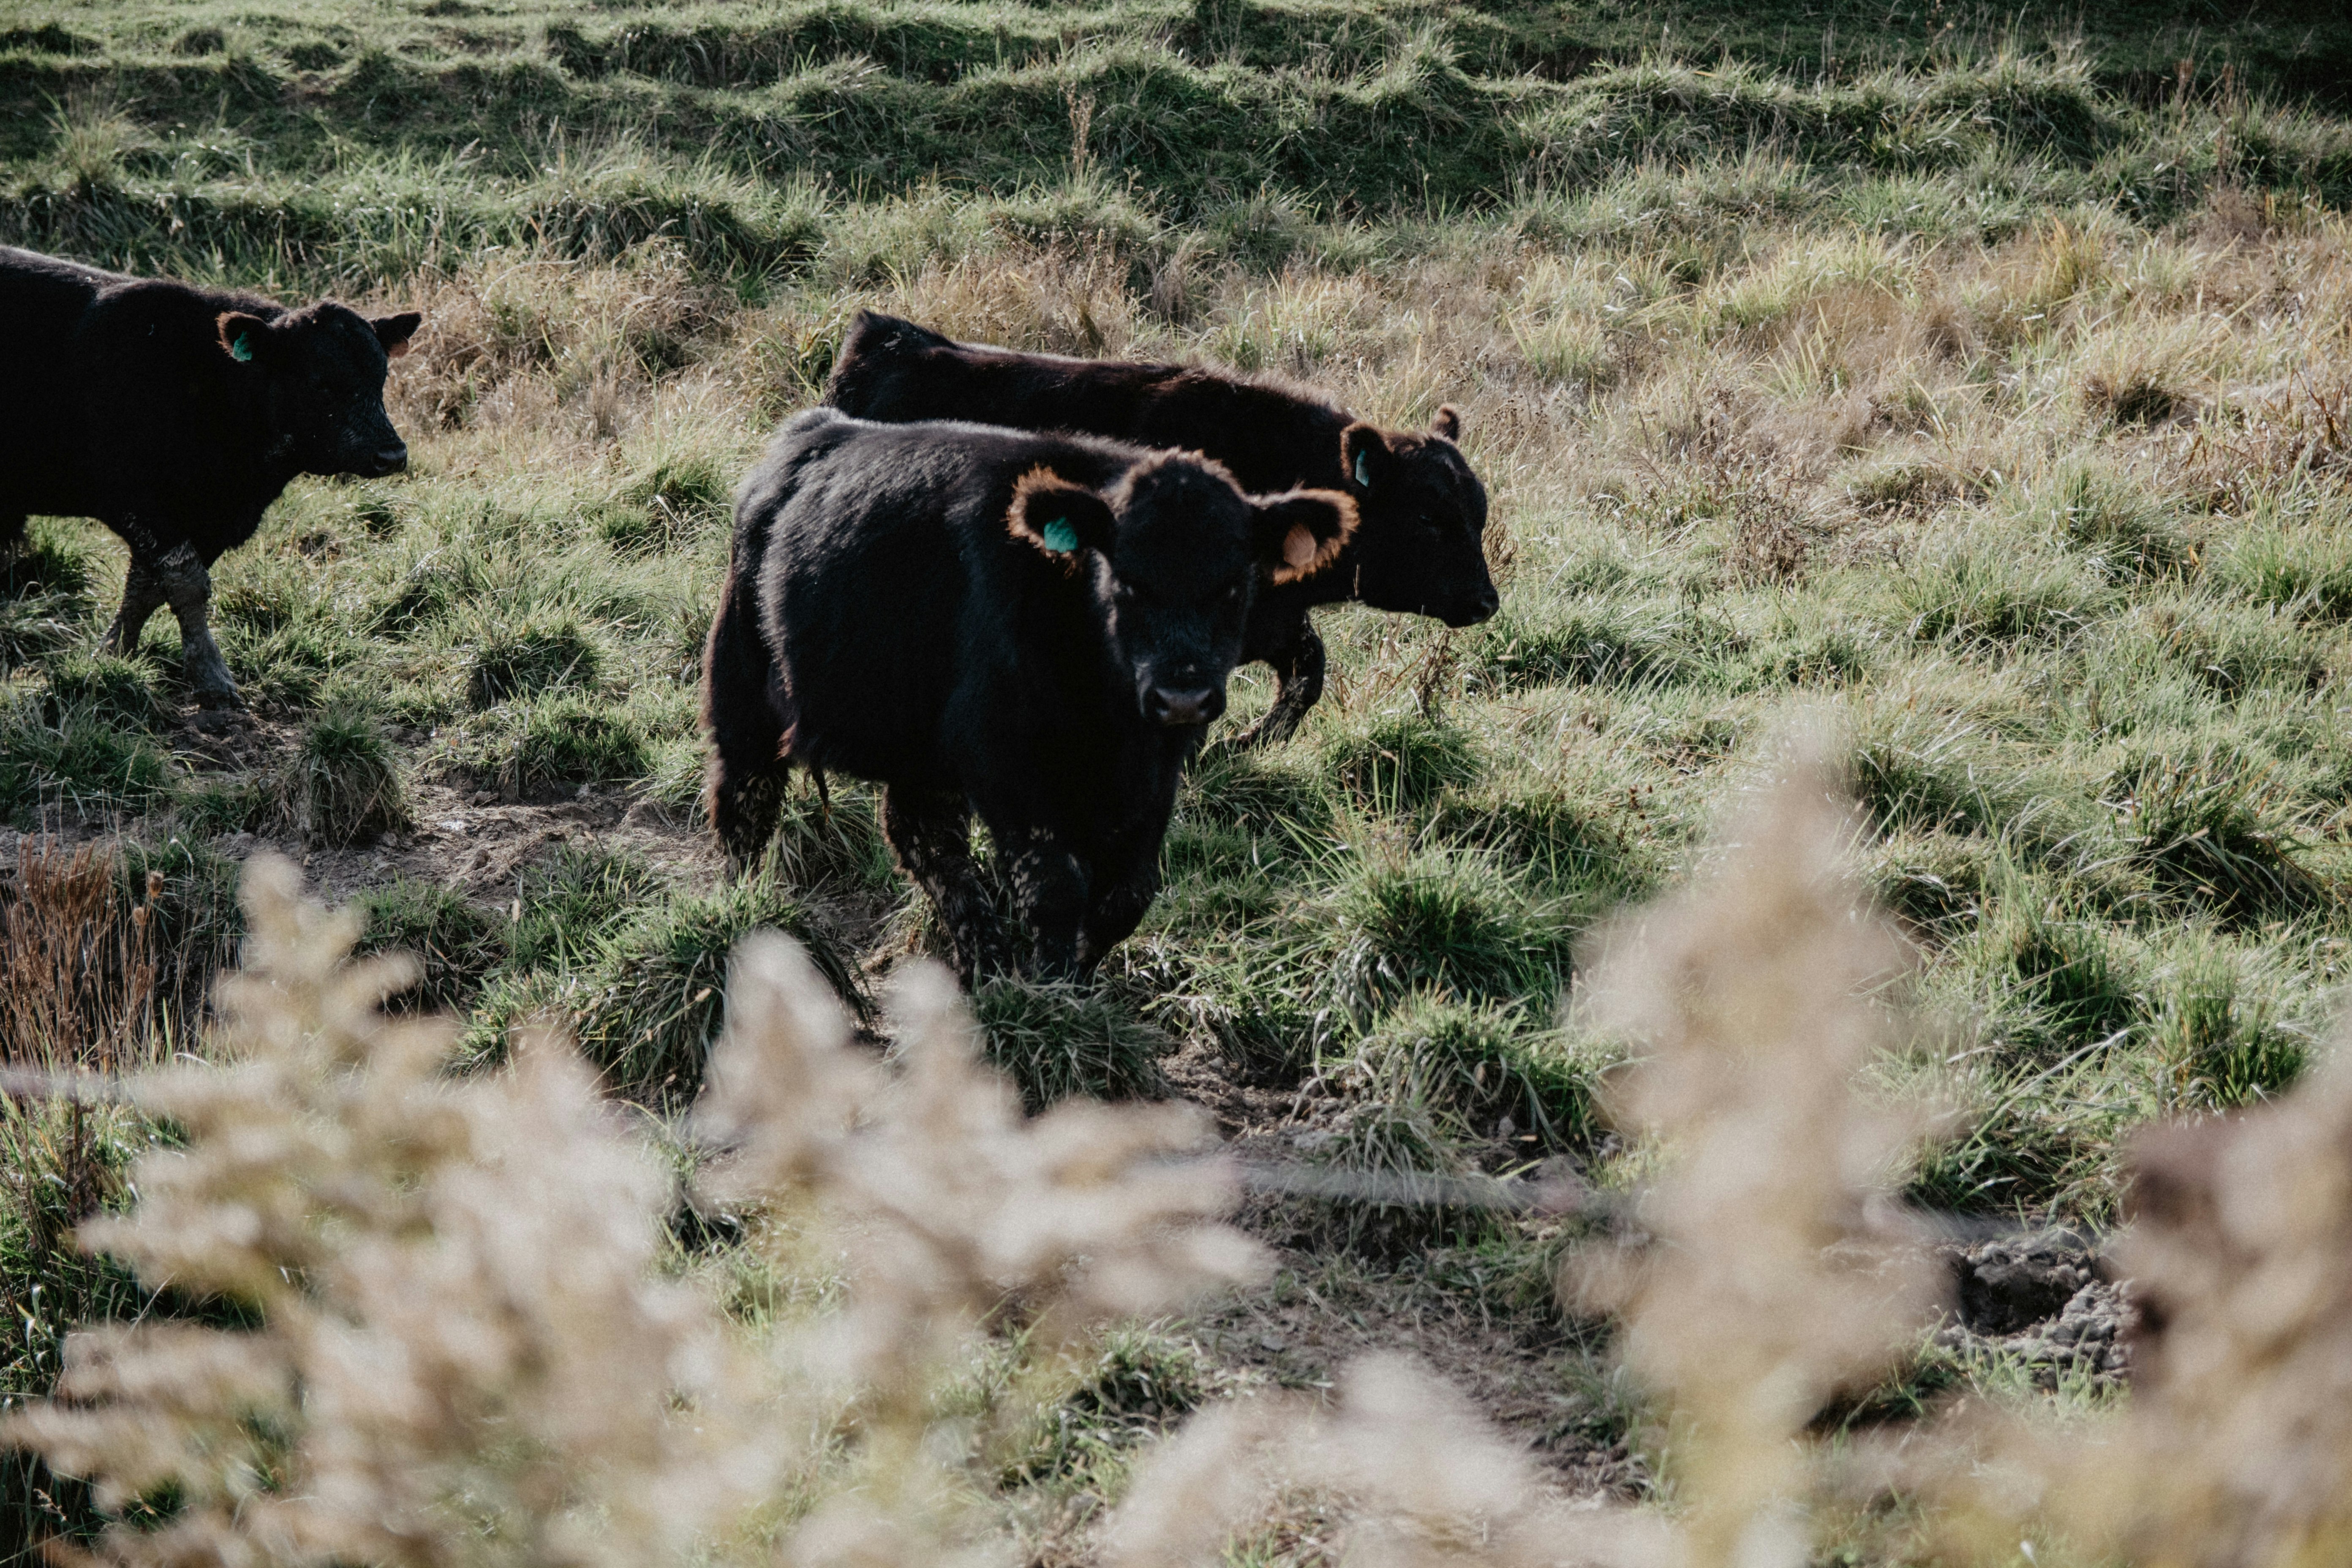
column 232, row 324
column 1448, row 422
column 1041, row 498
column 1303, row 552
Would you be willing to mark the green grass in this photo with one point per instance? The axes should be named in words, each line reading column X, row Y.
column 1983, row 388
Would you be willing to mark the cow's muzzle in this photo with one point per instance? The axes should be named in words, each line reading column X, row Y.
column 1177, row 709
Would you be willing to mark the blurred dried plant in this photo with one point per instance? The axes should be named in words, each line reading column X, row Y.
column 458, row 1354
column 1776, row 1274
column 442, row 1332
column 956, row 1215
column 2236, row 1447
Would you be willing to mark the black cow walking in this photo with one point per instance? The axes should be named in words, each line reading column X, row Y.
column 174, row 416
column 1419, row 549
column 1032, row 627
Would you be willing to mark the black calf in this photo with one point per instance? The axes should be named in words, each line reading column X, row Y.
column 1032, row 627
column 176, row 415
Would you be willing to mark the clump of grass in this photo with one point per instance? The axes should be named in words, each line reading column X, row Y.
column 2306, row 573
column 343, row 784
column 2067, row 989
column 1917, row 776
column 51, row 561
column 2201, row 823
column 1271, row 792
column 117, row 691
column 1140, row 1384
column 79, row 956
column 559, row 743
column 540, row 655
column 456, row 943
column 668, row 504
column 1564, row 840
column 1446, row 923
column 651, row 1002
column 1977, row 591
column 2123, row 529
column 76, row 759
column 193, row 919
column 1056, row 1039
column 1481, row 1069
column 571, row 900
column 1402, row 763
column 2215, row 1040
column 1611, row 643
column 1937, row 881
column 835, row 840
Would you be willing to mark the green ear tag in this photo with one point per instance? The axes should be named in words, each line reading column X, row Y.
column 1060, row 536
column 1363, row 468
column 240, row 348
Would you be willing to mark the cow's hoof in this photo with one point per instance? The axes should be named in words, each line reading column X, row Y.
column 224, row 701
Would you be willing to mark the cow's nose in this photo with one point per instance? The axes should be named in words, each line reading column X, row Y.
column 1197, row 706
column 392, row 459
column 1479, row 609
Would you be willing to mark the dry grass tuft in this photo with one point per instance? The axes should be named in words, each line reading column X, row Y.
column 78, row 967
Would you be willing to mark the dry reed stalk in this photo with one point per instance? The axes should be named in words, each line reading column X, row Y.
column 77, row 969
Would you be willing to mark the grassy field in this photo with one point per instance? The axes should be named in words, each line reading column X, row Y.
column 1988, row 392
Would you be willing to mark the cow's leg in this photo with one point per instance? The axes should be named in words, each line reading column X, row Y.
column 1049, row 888
column 188, row 589
column 932, row 831
column 1298, row 666
column 1123, row 890
column 143, row 595
column 743, row 790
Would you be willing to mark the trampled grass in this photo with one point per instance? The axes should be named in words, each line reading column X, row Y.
column 1985, row 390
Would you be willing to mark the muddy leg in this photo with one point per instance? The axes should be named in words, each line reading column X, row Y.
column 933, row 835
column 188, row 589
column 143, row 595
column 1297, row 683
column 744, row 789
column 1049, row 888
column 1123, row 891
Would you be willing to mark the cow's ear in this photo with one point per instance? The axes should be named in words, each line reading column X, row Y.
column 1058, row 517
column 1301, row 531
column 394, row 332
column 244, row 338
column 1365, row 452
column 1448, row 422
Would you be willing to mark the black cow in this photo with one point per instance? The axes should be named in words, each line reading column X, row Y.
column 174, row 416
column 1029, row 627
column 1418, row 549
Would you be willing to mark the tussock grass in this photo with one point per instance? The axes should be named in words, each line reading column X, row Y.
column 650, row 1002
column 343, row 783
column 1056, row 1041
column 455, row 944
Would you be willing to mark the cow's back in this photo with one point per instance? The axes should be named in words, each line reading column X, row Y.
column 44, row 301
column 1270, row 438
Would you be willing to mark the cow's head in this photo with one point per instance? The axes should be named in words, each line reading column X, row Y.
column 1423, row 549
column 320, row 370
column 1172, row 554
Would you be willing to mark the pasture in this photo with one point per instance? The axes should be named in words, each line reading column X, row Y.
column 1984, row 392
